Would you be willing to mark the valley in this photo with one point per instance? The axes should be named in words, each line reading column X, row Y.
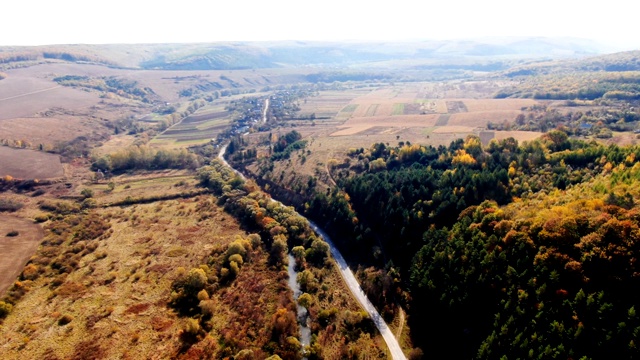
column 489, row 199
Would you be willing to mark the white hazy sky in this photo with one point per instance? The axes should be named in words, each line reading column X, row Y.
column 40, row 22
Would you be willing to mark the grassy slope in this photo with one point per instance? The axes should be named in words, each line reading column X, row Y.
column 115, row 290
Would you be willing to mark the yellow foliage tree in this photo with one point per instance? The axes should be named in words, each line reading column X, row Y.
column 463, row 158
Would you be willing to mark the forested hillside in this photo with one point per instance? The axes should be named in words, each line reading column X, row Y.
column 518, row 250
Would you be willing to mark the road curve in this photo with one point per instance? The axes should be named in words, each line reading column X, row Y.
column 349, row 279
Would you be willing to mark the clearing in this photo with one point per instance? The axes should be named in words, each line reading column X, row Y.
column 15, row 251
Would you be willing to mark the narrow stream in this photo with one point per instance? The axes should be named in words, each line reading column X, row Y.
column 302, row 314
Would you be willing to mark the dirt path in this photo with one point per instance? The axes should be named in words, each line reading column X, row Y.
column 15, row 251
column 30, row 93
column 400, row 328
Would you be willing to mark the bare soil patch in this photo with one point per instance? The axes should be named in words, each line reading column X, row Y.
column 481, row 118
column 29, row 164
column 356, row 125
column 456, row 107
column 498, row 104
column 15, row 251
column 443, row 120
column 454, row 129
column 518, row 135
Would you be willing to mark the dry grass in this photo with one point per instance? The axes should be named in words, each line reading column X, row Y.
column 115, row 143
column 144, row 184
column 117, row 298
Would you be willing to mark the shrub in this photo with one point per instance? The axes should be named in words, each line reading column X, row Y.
column 5, row 309
column 38, row 193
column 41, row 218
column 191, row 327
column 86, row 193
column 65, row 319
column 9, row 205
column 13, row 233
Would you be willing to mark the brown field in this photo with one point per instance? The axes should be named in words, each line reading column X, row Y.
column 16, row 250
column 459, row 89
column 331, row 103
column 454, row 129
column 29, row 164
column 379, row 111
column 356, row 125
column 481, row 118
column 481, row 105
column 27, row 96
column 45, row 130
column 518, row 135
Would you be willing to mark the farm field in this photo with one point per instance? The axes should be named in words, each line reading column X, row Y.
column 29, row 164
column 25, row 96
column 197, row 128
column 331, row 104
column 412, row 112
column 47, row 130
column 398, row 109
column 16, row 250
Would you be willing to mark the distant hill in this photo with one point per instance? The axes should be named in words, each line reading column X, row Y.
column 616, row 62
column 257, row 55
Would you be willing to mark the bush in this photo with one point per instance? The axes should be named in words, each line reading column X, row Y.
column 5, row 309
column 65, row 319
column 41, row 218
column 86, row 193
column 9, row 205
column 13, row 233
column 38, row 193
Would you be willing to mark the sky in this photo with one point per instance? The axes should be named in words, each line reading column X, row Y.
column 43, row 22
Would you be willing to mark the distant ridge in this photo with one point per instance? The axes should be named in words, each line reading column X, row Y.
column 259, row 55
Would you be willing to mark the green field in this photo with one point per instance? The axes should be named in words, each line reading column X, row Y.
column 398, row 109
column 349, row 108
